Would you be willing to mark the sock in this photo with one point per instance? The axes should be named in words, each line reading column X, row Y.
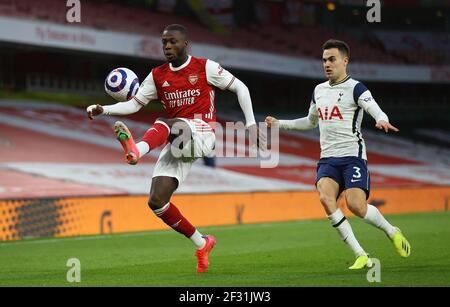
column 344, row 229
column 143, row 148
column 198, row 240
column 375, row 218
column 173, row 218
column 156, row 135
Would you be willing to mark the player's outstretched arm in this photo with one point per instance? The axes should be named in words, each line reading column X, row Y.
column 368, row 103
column 257, row 137
column 245, row 101
column 121, row 108
column 146, row 93
column 224, row 80
column 305, row 123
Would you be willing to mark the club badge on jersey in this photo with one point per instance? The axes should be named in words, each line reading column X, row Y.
column 193, row 79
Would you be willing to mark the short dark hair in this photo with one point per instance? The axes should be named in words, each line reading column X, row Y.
column 177, row 27
column 340, row 45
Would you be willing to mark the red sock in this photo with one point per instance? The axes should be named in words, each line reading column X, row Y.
column 173, row 218
column 156, row 135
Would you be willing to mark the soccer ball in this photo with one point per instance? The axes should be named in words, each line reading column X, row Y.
column 121, row 84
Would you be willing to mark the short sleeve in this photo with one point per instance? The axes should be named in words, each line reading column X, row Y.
column 361, row 93
column 217, row 76
column 147, row 91
column 365, row 98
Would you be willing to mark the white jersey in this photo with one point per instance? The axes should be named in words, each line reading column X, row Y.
column 338, row 109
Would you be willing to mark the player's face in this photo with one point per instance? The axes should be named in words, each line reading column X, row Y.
column 334, row 64
column 174, row 45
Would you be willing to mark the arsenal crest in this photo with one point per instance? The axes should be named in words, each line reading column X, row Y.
column 193, row 79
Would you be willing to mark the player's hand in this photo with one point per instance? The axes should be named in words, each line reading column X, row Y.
column 384, row 125
column 257, row 137
column 271, row 122
column 94, row 110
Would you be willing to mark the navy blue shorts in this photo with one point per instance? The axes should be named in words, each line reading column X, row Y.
column 348, row 172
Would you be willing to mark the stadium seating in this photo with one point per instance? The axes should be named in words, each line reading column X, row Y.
column 295, row 41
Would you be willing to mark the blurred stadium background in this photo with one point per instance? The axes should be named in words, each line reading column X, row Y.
column 63, row 175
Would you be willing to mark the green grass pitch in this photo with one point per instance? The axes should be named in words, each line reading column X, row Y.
column 302, row 253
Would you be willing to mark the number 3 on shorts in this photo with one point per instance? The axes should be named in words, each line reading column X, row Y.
column 357, row 174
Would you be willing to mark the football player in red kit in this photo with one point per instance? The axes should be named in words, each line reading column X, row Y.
column 185, row 85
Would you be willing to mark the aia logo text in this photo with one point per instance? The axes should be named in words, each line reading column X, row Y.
column 326, row 114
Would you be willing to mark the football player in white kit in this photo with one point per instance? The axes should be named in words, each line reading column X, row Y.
column 337, row 106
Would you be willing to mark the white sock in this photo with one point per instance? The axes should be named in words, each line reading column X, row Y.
column 344, row 229
column 198, row 240
column 143, row 148
column 375, row 218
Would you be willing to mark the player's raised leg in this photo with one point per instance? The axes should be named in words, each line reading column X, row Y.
column 154, row 137
column 328, row 192
column 158, row 134
column 159, row 201
column 125, row 138
column 356, row 201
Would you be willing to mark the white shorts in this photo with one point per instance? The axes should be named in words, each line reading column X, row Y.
column 176, row 163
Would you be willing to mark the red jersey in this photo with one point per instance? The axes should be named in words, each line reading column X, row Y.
column 186, row 91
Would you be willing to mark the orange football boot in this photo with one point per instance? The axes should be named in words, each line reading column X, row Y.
column 125, row 138
column 202, row 254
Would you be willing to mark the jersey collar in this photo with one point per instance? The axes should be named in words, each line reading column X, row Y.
column 340, row 82
column 181, row 66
